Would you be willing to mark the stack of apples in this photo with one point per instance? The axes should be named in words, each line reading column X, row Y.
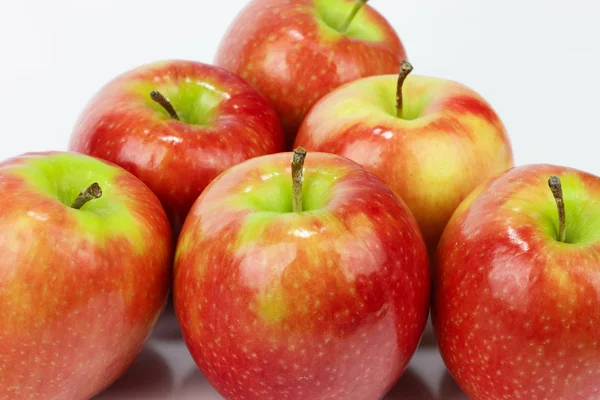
column 306, row 199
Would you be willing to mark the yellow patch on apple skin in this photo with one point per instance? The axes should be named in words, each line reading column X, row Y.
column 449, row 176
column 560, row 276
column 468, row 201
column 272, row 304
column 19, row 242
column 183, row 246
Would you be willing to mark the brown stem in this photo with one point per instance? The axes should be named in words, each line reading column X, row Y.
column 357, row 6
column 162, row 100
column 557, row 192
column 297, row 178
column 405, row 70
column 92, row 192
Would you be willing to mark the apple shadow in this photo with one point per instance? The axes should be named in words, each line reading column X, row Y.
column 167, row 328
column 449, row 390
column 410, row 386
column 428, row 339
column 196, row 386
column 148, row 377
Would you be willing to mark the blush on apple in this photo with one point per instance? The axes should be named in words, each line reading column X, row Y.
column 311, row 287
column 296, row 51
column 84, row 274
column 517, row 287
column 431, row 140
column 176, row 125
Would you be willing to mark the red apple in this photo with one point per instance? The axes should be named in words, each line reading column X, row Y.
column 517, row 297
column 431, row 140
column 296, row 51
column 316, row 292
column 213, row 121
column 83, row 279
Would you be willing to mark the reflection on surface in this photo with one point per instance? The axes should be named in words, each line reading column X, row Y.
column 410, row 386
column 168, row 328
column 449, row 390
column 149, row 377
column 195, row 386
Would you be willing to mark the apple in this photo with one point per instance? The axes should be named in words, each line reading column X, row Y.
column 316, row 289
column 296, row 51
column 431, row 140
column 84, row 274
column 517, row 287
column 176, row 125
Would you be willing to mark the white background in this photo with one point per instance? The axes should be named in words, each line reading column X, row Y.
column 536, row 61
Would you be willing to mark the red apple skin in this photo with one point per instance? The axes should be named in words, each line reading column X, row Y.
column 177, row 160
column 329, row 303
column 283, row 48
column 516, row 312
column 78, row 301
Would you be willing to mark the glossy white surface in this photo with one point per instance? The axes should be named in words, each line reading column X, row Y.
column 165, row 371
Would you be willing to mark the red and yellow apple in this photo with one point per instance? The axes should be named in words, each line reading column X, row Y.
column 83, row 279
column 517, row 306
column 176, row 125
column 324, row 297
column 296, row 51
column 432, row 144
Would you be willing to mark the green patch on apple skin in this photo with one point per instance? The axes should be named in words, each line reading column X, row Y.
column 271, row 195
column 269, row 199
column 63, row 176
column 333, row 14
column 273, row 192
column 418, row 93
column 582, row 210
column 195, row 102
column 376, row 96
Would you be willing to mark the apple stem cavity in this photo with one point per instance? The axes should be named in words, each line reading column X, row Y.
column 297, row 178
column 90, row 193
column 359, row 4
column 162, row 100
column 405, row 70
column 557, row 192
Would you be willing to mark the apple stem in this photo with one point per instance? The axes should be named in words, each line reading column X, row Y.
column 92, row 192
column 359, row 4
column 297, row 178
column 557, row 192
column 405, row 70
column 162, row 100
